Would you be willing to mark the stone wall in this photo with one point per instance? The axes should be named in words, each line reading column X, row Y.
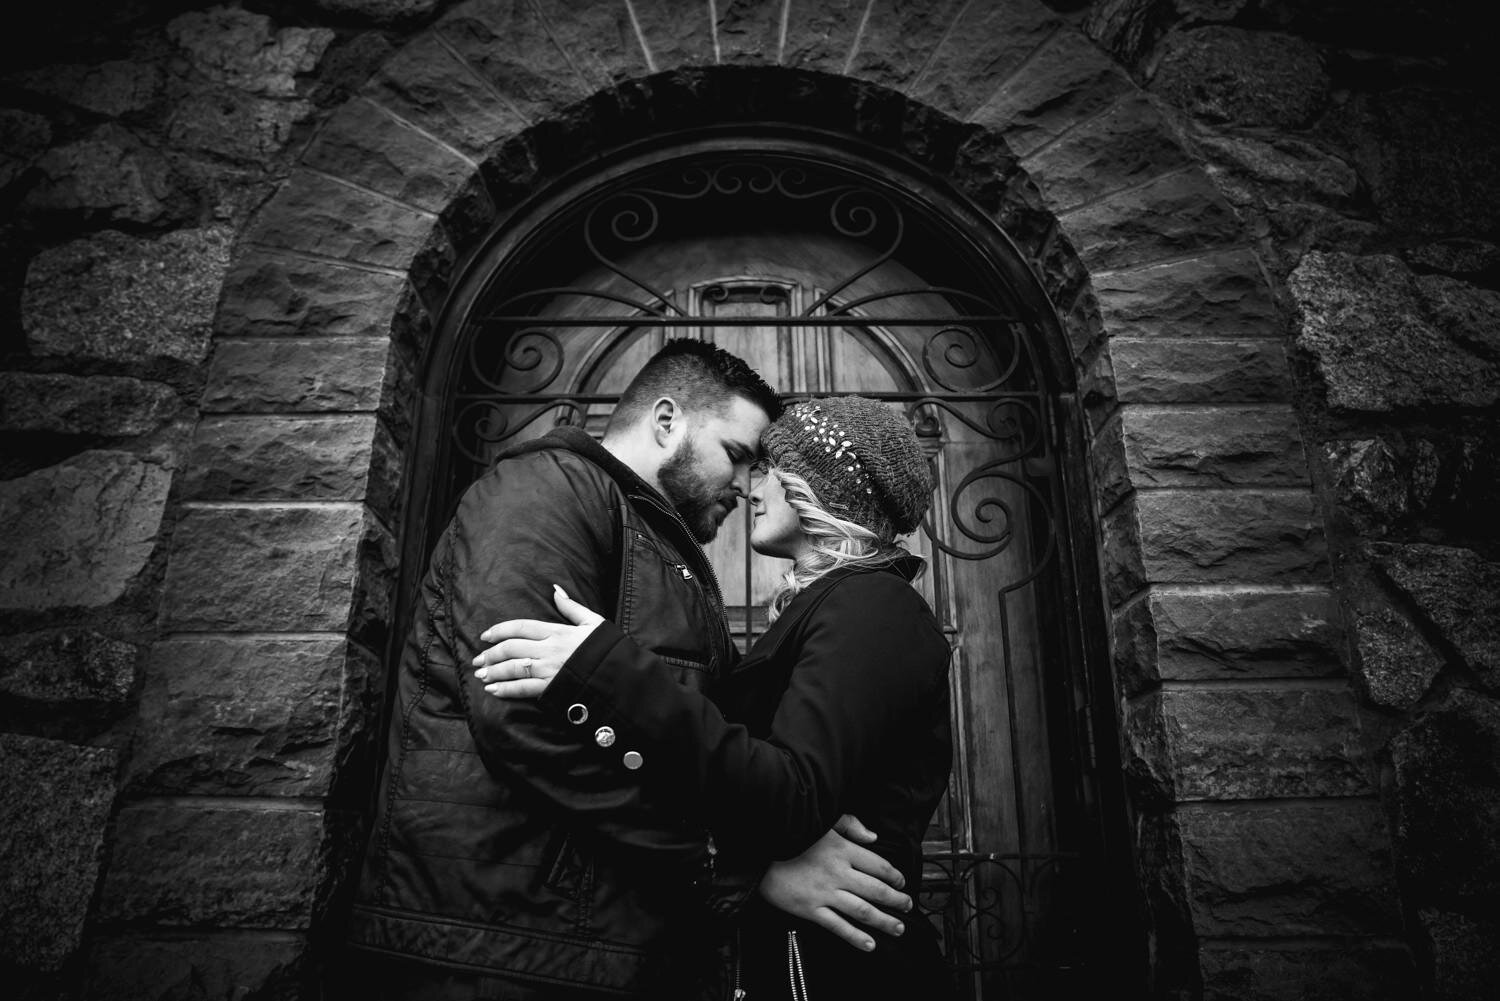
column 1269, row 226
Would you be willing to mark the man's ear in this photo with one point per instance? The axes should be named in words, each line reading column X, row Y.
column 666, row 417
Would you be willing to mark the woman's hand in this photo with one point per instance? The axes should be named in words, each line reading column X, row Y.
column 528, row 653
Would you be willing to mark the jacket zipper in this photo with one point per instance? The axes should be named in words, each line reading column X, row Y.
column 715, row 592
column 739, row 990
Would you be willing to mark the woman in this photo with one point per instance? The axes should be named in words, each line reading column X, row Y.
column 841, row 707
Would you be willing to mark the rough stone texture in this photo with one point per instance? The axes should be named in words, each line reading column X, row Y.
column 981, row 47
column 1276, row 871
column 67, row 666
column 1065, row 82
column 1369, row 483
column 366, row 145
column 1379, row 343
column 235, row 125
column 1428, row 157
column 77, row 533
column 1176, row 215
column 275, row 294
column 279, row 569
column 1205, row 447
column 251, row 716
column 338, row 374
column 1219, row 295
column 1246, row 78
column 320, row 216
column 1396, row 665
column 508, row 45
column 674, row 35
column 1230, row 537
column 55, row 800
column 1459, row 593
column 820, row 34
column 1367, row 971
column 23, row 138
column 122, row 298
column 600, row 40
column 1159, row 370
column 227, row 967
column 1128, row 144
column 109, row 174
column 1447, row 805
column 1465, row 955
column 1220, row 635
column 223, row 866
column 428, row 86
column 1459, row 257
column 243, row 50
column 294, row 458
column 1263, row 743
column 106, row 405
column 113, row 88
column 748, row 32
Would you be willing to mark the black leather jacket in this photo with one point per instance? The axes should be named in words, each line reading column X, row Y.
column 503, row 844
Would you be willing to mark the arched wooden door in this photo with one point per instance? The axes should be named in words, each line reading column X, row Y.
column 829, row 282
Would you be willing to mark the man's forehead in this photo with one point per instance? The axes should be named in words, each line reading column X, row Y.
column 744, row 421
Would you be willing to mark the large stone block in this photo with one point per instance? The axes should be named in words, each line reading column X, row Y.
column 1395, row 664
column 252, row 716
column 1181, row 635
column 346, row 457
column 1447, row 799
column 108, row 173
column 1231, row 537
column 67, row 666
column 1258, row 743
column 209, row 966
column 364, row 144
column 1242, row 77
column 113, row 89
column 1465, row 955
column 55, row 800
column 749, row 33
column 245, row 51
column 218, row 865
column 115, row 297
column 1273, row 871
column 1177, row 215
column 508, row 45
column 1458, row 591
column 1356, row 971
column 427, row 85
column 106, row 405
column 1229, row 446
column 820, row 34
column 235, row 125
column 1382, row 340
column 263, row 568
column 78, row 533
column 1220, row 295
column 980, row 47
column 1159, row 370
column 1127, row 145
column 318, row 215
column 268, row 293
column 1065, row 82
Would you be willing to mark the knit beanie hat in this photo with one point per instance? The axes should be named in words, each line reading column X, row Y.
column 860, row 457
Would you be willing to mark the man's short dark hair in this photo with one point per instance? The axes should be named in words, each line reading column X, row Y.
column 697, row 375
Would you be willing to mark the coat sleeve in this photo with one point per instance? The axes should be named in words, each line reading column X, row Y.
column 863, row 658
column 517, row 532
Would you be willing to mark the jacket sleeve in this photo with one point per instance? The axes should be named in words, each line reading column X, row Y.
column 545, row 520
column 863, row 658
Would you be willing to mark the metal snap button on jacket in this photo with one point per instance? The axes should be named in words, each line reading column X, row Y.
column 578, row 713
column 632, row 760
column 604, row 736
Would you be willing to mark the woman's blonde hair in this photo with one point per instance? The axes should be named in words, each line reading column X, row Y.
column 833, row 542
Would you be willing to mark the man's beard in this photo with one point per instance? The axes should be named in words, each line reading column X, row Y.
column 694, row 499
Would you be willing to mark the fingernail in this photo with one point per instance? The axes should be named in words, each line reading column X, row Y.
column 900, row 929
column 558, row 588
column 868, row 945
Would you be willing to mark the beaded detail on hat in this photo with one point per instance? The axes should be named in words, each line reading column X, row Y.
column 827, row 432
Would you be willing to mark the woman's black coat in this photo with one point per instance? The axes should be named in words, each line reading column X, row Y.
column 841, row 707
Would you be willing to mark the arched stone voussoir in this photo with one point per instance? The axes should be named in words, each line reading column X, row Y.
column 509, row 46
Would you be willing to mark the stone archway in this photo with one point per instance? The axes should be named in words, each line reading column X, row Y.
column 1222, row 625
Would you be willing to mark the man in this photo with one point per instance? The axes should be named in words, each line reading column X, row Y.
column 503, row 863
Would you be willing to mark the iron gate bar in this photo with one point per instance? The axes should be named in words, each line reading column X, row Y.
column 826, row 320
